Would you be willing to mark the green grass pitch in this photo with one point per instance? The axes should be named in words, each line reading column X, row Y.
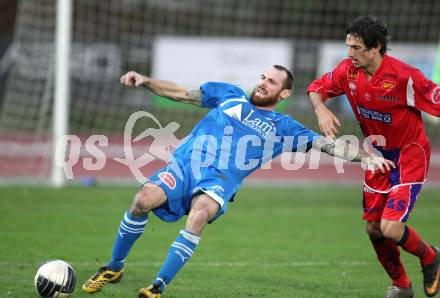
column 273, row 242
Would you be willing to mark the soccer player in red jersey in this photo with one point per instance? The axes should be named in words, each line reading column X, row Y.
column 387, row 97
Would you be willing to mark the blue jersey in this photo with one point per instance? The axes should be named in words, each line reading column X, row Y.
column 236, row 137
column 233, row 140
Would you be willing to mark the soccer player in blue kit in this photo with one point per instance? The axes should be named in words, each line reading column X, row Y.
column 237, row 136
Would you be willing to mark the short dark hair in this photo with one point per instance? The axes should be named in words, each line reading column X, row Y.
column 371, row 30
column 288, row 82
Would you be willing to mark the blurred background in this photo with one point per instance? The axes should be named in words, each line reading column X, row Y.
column 188, row 42
column 276, row 241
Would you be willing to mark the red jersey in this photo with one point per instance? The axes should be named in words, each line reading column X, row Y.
column 388, row 104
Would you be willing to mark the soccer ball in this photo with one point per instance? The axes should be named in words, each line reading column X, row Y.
column 55, row 278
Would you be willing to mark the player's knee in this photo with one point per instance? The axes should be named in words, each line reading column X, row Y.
column 200, row 216
column 197, row 219
column 373, row 230
column 391, row 232
column 143, row 202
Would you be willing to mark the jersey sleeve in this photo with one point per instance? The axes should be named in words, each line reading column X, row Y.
column 330, row 84
column 214, row 93
column 423, row 94
column 301, row 135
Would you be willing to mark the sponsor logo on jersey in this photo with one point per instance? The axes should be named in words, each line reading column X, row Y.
column 262, row 127
column 389, row 75
column 374, row 115
column 234, row 112
column 352, row 74
column 388, row 98
column 168, row 179
column 388, row 85
column 435, row 95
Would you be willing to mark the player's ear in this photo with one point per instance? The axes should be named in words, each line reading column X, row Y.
column 377, row 48
column 285, row 93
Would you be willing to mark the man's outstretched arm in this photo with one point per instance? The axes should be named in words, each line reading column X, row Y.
column 162, row 88
column 344, row 150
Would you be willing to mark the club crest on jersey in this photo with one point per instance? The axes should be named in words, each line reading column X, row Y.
column 262, row 126
column 168, row 179
column 388, row 85
column 352, row 74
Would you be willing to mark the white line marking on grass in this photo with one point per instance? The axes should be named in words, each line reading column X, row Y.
column 212, row 264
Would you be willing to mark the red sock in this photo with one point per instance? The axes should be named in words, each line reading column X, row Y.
column 388, row 255
column 412, row 243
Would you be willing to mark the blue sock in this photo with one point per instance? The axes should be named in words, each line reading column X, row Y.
column 180, row 251
column 130, row 229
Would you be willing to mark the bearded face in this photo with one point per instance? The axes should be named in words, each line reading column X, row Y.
column 261, row 98
column 269, row 88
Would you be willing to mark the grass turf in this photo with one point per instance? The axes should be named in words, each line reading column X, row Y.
column 273, row 242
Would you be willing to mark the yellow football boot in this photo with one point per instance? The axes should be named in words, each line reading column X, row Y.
column 152, row 291
column 101, row 278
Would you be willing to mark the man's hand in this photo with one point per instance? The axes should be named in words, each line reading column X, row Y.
column 327, row 121
column 133, row 79
column 373, row 163
column 161, row 88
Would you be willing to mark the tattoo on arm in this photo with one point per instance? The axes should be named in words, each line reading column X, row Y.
column 190, row 96
column 195, row 95
column 340, row 149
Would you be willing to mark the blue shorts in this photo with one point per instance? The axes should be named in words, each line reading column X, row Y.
column 181, row 187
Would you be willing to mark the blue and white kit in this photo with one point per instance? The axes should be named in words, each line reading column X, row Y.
column 233, row 140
